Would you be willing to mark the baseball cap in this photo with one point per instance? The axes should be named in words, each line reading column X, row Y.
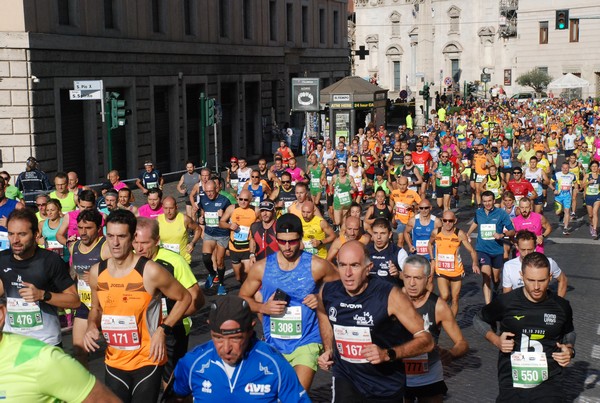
column 230, row 307
column 266, row 205
column 288, row 223
column 233, row 159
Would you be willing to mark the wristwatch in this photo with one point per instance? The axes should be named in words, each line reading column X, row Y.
column 167, row 329
column 47, row 296
column 391, row 354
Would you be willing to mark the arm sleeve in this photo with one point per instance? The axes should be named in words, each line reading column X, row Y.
column 62, row 377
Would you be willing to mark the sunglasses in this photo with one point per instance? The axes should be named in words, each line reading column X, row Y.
column 446, row 220
column 517, row 173
column 354, row 160
column 286, row 181
column 291, row 242
column 240, row 199
column 424, row 208
column 255, row 176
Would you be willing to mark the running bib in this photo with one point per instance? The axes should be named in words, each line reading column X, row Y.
column 402, row 208
column 288, row 326
column 241, row 235
column 529, row 369
column 421, row 167
column 445, row 181
column 350, row 340
column 85, row 293
column 344, row 198
column 121, row 332
column 163, row 308
column 315, row 183
column 308, row 247
column 256, row 201
column 24, row 316
column 488, row 231
column 211, row 219
column 151, row 185
column 479, row 178
column 506, row 162
column 56, row 247
column 495, row 191
column 4, row 244
column 234, row 183
column 418, row 365
column 421, row 245
column 593, row 190
column 174, row 247
column 445, row 262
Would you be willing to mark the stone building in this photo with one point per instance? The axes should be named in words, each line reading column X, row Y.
column 159, row 55
column 452, row 41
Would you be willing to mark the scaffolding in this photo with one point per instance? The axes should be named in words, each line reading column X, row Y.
column 508, row 18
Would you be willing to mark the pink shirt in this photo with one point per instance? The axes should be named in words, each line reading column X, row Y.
column 146, row 211
column 532, row 223
column 119, row 185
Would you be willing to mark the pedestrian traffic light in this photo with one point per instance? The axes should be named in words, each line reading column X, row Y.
column 425, row 91
column 118, row 111
column 562, row 19
column 210, row 111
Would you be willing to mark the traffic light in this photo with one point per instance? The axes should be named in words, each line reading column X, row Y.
column 471, row 88
column 118, row 111
column 210, row 111
column 562, row 19
column 425, row 91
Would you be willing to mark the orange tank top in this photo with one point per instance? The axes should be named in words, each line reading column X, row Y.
column 447, row 258
column 480, row 167
column 239, row 240
column 130, row 316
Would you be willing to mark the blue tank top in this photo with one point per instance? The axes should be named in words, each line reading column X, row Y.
column 421, row 234
column 506, row 155
column 258, row 195
column 299, row 326
column 52, row 243
column 341, row 155
column 426, row 368
column 6, row 209
column 381, row 260
column 83, row 262
column 349, row 315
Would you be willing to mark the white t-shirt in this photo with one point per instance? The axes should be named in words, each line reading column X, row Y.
column 511, row 276
column 569, row 140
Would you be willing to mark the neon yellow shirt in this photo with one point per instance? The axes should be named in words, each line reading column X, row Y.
column 174, row 235
column 32, row 371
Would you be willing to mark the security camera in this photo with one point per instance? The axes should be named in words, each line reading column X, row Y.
column 35, row 79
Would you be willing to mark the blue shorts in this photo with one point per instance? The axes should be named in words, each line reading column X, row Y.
column 538, row 201
column 564, row 199
column 495, row 261
column 590, row 200
column 400, row 227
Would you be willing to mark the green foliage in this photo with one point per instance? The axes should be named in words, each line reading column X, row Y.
column 536, row 79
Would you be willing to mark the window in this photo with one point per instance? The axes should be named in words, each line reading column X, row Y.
column 543, row 32
column 336, row 27
column 574, row 30
column 109, row 14
column 273, row 20
column 247, row 18
column 322, row 27
column 455, row 67
column 543, row 69
column 397, row 79
column 156, row 26
column 224, row 18
column 454, row 23
column 64, row 12
column 305, row 24
column 188, row 12
column 289, row 20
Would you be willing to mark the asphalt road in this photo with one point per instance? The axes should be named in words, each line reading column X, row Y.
column 473, row 377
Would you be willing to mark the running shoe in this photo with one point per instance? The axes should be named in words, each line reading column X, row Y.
column 567, row 231
column 221, row 290
column 209, row 282
column 217, row 280
column 593, row 232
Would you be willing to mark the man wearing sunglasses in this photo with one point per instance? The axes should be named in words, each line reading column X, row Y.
column 419, row 229
column 288, row 282
column 520, row 186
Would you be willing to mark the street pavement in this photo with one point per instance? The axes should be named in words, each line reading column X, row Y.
column 473, row 378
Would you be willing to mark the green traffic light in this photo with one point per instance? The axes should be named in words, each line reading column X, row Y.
column 561, row 25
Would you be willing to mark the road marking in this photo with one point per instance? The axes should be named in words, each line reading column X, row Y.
column 596, row 351
column 598, row 331
column 563, row 241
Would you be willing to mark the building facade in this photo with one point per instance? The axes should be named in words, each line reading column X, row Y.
column 160, row 55
column 411, row 42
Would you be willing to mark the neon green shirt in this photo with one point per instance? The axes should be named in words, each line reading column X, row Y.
column 33, row 371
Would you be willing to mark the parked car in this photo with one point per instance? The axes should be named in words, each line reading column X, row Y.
column 528, row 96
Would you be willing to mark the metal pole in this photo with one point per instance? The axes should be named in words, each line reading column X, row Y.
column 202, row 128
column 216, row 149
column 109, row 140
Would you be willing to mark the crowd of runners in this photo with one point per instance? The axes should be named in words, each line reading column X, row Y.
column 352, row 263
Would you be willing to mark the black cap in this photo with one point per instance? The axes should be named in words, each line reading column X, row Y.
column 230, row 307
column 106, row 186
column 266, row 205
column 288, row 223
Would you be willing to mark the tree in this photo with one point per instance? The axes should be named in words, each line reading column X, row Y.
column 536, row 79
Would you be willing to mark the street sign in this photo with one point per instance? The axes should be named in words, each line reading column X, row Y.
column 88, row 85
column 85, row 95
column 486, row 78
column 448, row 81
column 305, row 94
column 403, row 94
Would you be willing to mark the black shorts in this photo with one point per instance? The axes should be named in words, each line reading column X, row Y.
column 506, row 170
column 177, row 346
column 434, row 389
column 345, row 392
column 139, row 385
column 550, row 391
column 426, row 176
column 441, row 191
column 237, row 257
column 329, row 200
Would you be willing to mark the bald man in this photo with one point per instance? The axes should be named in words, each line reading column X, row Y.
column 174, row 227
column 352, row 232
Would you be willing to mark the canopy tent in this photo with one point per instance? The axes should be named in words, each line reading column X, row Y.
column 360, row 89
column 568, row 81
